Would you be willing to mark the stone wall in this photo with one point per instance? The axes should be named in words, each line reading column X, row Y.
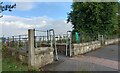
column 83, row 48
column 20, row 54
column 111, row 41
column 43, row 55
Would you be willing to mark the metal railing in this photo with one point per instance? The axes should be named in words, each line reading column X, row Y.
column 19, row 41
column 41, row 38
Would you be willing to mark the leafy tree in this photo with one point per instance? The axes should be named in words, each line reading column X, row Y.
column 93, row 18
column 6, row 7
column 119, row 19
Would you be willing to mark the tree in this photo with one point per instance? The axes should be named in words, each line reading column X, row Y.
column 119, row 18
column 93, row 18
column 6, row 8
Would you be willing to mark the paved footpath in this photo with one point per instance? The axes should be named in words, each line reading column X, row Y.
column 99, row 61
column 106, row 56
column 104, row 59
column 108, row 52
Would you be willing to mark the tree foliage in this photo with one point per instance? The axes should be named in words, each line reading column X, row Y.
column 119, row 18
column 93, row 18
column 6, row 7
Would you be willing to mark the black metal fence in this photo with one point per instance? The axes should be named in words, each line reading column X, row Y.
column 19, row 41
column 41, row 38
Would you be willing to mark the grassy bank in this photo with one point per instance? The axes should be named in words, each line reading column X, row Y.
column 0, row 64
column 11, row 64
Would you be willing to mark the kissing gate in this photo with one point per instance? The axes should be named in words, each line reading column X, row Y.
column 60, row 43
column 38, row 48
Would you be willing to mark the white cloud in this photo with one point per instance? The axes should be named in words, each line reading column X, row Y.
column 24, row 5
column 12, row 25
column 22, row 0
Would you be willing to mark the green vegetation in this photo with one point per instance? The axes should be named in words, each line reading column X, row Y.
column 0, row 56
column 6, row 8
column 119, row 19
column 10, row 63
column 93, row 18
column 0, row 46
column 0, row 62
column 13, row 65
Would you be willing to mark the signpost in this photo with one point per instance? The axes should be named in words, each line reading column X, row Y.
column 77, row 37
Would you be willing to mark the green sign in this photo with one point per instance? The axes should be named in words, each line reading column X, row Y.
column 77, row 37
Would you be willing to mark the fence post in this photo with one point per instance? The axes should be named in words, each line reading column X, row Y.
column 7, row 42
column 47, row 36
column 66, row 44
column 19, row 41
column 101, row 39
column 70, row 44
column 13, row 43
column 31, row 49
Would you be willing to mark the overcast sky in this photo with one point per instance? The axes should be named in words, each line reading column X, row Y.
column 39, row 15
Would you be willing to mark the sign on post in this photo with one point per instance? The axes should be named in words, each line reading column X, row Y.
column 77, row 37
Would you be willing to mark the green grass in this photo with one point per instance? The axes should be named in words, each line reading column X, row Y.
column 0, row 65
column 0, row 60
column 0, row 46
column 9, row 64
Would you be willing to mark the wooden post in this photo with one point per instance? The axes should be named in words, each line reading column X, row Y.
column 31, row 49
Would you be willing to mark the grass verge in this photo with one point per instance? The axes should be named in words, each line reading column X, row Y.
column 11, row 64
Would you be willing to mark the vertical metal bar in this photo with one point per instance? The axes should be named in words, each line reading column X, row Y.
column 70, row 42
column 56, row 54
column 55, row 45
column 34, row 38
column 19, row 40
column 70, row 45
column 47, row 36
column 51, row 40
column 43, row 39
column 8, row 42
column 66, row 43
column 40, row 42
column 13, row 44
